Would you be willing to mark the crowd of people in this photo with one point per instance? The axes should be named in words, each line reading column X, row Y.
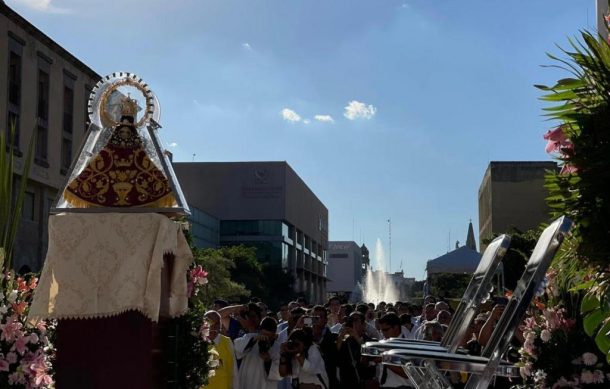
column 319, row 347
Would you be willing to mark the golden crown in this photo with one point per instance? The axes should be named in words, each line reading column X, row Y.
column 129, row 107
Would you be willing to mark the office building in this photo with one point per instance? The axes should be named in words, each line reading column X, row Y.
column 344, row 268
column 265, row 205
column 512, row 195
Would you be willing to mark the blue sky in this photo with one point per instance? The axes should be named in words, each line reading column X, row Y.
column 435, row 89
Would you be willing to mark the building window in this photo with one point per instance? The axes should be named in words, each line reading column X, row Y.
column 13, row 120
column 43, row 95
column 68, row 121
column 66, row 155
column 14, row 79
column 251, row 227
column 15, row 66
column 338, row 255
column 68, row 109
column 28, row 206
column 42, row 118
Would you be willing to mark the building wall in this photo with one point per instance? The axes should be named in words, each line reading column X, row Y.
column 266, row 205
column 63, row 132
column 344, row 266
column 512, row 194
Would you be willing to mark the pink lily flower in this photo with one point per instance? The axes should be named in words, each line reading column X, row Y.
column 556, row 140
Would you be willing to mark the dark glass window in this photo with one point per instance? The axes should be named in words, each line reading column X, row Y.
column 42, row 113
column 14, row 95
column 14, row 79
column 43, row 95
column 68, row 109
column 251, row 227
column 13, row 120
column 29, row 199
column 41, row 143
column 66, row 154
column 338, row 255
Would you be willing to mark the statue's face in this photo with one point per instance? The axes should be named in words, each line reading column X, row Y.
column 125, row 133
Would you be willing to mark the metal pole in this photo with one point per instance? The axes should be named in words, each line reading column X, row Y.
column 390, row 236
column 601, row 10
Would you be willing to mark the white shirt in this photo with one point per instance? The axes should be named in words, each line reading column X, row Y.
column 252, row 373
column 336, row 328
column 406, row 334
column 313, row 369
column 392, row 380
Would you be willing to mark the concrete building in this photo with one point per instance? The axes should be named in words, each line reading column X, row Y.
column 512, row 194
column 268, row 206
column 344, row 268
column 402, row 284
column 43, row 90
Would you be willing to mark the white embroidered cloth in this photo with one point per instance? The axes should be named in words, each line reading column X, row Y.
column 104, row 264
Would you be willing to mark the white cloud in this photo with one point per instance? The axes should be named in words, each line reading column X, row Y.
column 43, row 6
column 306, row 121
column 290, row 115
column 246, row 46
column 173, row 144
column 357, row 110
column 324, row 118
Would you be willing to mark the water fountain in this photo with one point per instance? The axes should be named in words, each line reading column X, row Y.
column 378, row 286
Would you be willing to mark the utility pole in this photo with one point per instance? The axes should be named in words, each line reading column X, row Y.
column 601, row 10
column 390, row 239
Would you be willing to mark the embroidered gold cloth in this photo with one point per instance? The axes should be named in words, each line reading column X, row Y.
column 121, row 175
column 101, row 265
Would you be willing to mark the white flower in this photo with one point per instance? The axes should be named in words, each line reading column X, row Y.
column 34, row 338
column 545, row 335
column 539, row 376
column 589, row 359
column 598, row 377
column 3, row 309
column 12, row 297
column 587, row 377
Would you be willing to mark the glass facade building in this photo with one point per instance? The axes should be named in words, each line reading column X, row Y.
column 264, row 205
column 281, row 244
column 205, row 229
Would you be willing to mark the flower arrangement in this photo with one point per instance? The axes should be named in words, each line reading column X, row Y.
column 197, row 278
column 556, row 351
column 196, row 356
column 26, row 350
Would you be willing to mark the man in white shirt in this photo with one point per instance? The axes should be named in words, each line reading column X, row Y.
column 391, row 376
column 260, row 357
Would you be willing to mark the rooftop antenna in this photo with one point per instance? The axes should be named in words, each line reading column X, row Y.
column 194, row 157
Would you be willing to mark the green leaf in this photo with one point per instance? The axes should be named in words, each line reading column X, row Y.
column 589, row 303
column 602, row 339
column 592, row 321
column 583, row 286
